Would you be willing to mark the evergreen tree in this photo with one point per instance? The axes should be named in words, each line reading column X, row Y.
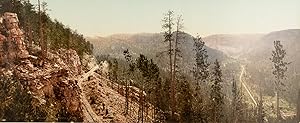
column 142, row 64
column 185, row 102
column 261, row 113
column 158, row 101
column 179, row 36
column 237, row 104
column 234, row 100
column 279, row 70
column 41, row 31
column 166, row 101
column 168, row 23
column 28, row 8
column 16, row 102
column 200, row 74
column 151, row 83
column 115, row 72
column 128, row 58
column 177, row 60
column 201, row 67
column 216, row 96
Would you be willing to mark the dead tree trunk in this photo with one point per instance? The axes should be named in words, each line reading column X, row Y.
column 277, row 107
column 29, row 31
column 171, row 67
column 126, row 97
column 141, row 107
column 298, row 106
column 41, row 38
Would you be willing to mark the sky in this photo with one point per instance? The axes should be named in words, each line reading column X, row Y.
column 203, row 17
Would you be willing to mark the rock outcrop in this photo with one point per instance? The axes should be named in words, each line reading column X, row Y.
column 51, row 81
column 12, row 44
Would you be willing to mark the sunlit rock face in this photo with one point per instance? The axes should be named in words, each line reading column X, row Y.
column 50, row 81
column 12, row 44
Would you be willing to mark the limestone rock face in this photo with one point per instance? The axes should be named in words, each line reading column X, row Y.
column 12, row 44
column 53, row 78
column 56, row 79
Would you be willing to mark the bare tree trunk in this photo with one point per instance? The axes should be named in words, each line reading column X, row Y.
column 298, row 106
column 29, row 32
column 260, row 106
column 126, row 98
column 41, row 38
column 171, row 71
column 277, row 107
column 29, row 37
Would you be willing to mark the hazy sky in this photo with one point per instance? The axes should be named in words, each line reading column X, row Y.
column 205, row 17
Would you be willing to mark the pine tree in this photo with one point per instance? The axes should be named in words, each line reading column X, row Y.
column 41, row 32
column 185, row 101
column 216, row 96
column 200, row 74
column 177, row 51
column 168, row 23
column 200, row 70
column 279, row 70
column 16, row 102
column 142, row 64
column 115, row 68
column 155, row 88
column 261, row 113
column 113, row 72
column 177, row 60
column 234, row 100
column 158, row 100
column 151, row 83
column 237, row 104
column 129, row 60
column 27, row 10
column 166, row 102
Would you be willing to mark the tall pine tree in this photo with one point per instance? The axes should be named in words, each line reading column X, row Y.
column 216, row 96
column 279, row 70
column 201, row 75
column 168, row 23
column 185, row 101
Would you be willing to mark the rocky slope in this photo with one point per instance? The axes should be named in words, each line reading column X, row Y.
column 50, row 81
column 65, row 85
column 108, row 101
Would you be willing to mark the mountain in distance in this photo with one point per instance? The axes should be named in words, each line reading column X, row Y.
column 234, row 45
column 250, row 49
column 149, row 44
column 255, row 47
column 255, row 50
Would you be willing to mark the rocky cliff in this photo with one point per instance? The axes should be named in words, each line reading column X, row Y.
column 51, row 81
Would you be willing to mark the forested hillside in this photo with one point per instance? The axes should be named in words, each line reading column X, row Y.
column 40, row 62
column 55, row 33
